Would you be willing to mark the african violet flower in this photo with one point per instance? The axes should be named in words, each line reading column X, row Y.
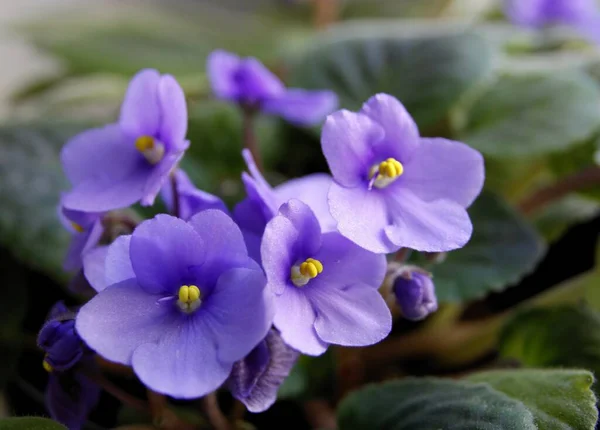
column 263, row 202
column 583, row 15
column 178, row 301
column 86, row 229
column 255, row 380
column 126, row 162
column 248, row 82
column 191, row 199
column 393, row 188
column 415, row 293
column 326, row 287
column 70, row 394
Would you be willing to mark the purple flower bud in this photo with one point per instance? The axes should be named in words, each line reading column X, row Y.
column 255, row 380
column 58, row 339
column 415, row 294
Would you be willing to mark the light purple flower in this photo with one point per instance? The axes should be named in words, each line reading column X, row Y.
column 415, row 293
column 178, row 301
column 256, row 379
column 326, row 287
column 248, row 82
column 263, row 202
column 191, row 199
column 86, row 229
column 126, row 162
column 393, row 188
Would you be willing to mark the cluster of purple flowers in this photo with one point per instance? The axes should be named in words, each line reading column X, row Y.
column 206, row 297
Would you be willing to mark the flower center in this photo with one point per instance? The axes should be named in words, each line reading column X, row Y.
column 384, row 173
column 303, row 273
column 152, row 150
column 77, row 227
column 189, row 298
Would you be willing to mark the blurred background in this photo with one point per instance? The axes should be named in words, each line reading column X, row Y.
column 528, row 99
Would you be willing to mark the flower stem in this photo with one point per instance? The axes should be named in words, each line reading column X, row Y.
column 213, row 412
column 325, row 13
column 582, row 180
column 320, row 415
column 117, row 392
column 175, row 193
column 249, row 136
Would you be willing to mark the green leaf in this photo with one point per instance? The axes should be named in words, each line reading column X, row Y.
column 530, row 115
column 502, row 250
column 555, row 219
column 577, row 159
column 428, row 74
column 31, row 180
column 311, row 377
column 558, row 399
column 29, row 423
column 432, row 404
column 566, row 336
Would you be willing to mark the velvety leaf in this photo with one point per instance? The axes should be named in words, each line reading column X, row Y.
column 30, row 423
column 432, row 404
column 577, row 159
column 529, row 115
column 311, row 377
column 502, row 250
column 428, row 74
column 558, row 399
column 556, row 218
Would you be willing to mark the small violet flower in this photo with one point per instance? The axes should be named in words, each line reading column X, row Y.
column 393, row 188
column 86, row 229
column 248, row 82
column 326, row 287
column 191, row 199
column 263, row 202
column 256, row 379
column 70, row 394
column 415, row 293
column 178, row 301
column 126, row 162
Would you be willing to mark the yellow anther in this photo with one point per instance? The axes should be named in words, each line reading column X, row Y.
column 77, row 227
column 144, row 143
column 391, row 168
column 189, row 294
column 306, row 271
column 47, row 367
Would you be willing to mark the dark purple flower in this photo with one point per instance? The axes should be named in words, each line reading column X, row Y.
column 325, row 286
column 58, row 339
column 248, row 82
column 256, row 379
column 393, row 188
column 191, row 199
column 126, row 162
column 70, row 397
column 86, row 229
column 415, row 293
column 178, row 301
column 263, row 202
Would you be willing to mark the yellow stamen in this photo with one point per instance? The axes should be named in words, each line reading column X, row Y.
column 306, row 271
column 189, row 298
column 47, row 367
column 144, row 143
column 387, row 172
column 77, row 227
column 152, row 149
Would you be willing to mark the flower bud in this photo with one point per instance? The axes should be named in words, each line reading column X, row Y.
column 415, row 294
column 58, row 339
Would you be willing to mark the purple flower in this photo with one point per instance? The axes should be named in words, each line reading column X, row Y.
column 248, row 82
column 393, row 188
column 191, row 199
column 119, row 164
column 263, row 202
column 178, row 301
column 326, row 287
column 86, row 229
column 415, row 293
column 256, row 379
column 70, row 394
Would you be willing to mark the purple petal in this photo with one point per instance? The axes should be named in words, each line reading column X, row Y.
column 345, row 263
column 239, row 312
column 121, row 318
column 221, row 68
column 246, row 372
column 82, row 243
column 526, row 13
column 173, row 113
column 444, row 169
column 347, row 142
column 141, row 110
column 362, row 216
column 436, row 226
column 354, row 316
column 312, row 190
column 401, row 132
column 183, row 364
column 158, row 176
column 277, row 252
column 302, row 107
column 415, row 294
column 294, row 318
column 118, row 262
column 256, row 82
column 94, row 264
column 305, row 222
column 70, row 398
column 162, row 252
